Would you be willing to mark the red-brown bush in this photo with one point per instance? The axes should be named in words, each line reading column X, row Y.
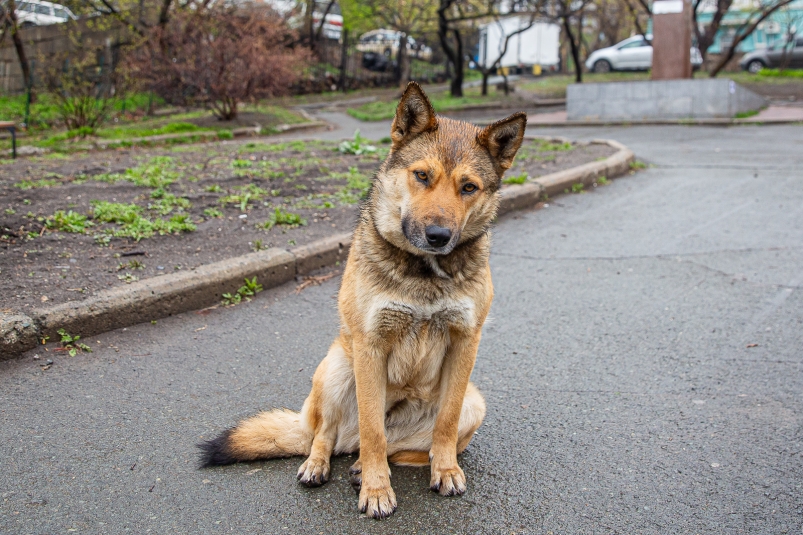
column 219, row 57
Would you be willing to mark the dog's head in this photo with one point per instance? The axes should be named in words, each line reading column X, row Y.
column 439, row 185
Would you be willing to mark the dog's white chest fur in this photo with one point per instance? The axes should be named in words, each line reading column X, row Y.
column 421, row 334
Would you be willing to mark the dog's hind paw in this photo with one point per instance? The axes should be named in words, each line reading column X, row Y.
column 448, row 481
column 355, row 476
column 314, row 472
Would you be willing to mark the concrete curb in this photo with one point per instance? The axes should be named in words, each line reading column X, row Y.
column 166, row 295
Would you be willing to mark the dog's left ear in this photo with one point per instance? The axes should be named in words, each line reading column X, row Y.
column 503, row 139
column 414, row 116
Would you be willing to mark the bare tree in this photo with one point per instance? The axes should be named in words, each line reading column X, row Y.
column 570, row 13
column 452, row 43
column 745, row 29
column 10, row 26
column 486, row 69
column 707, row 35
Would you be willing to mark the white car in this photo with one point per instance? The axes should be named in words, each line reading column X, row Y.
column 40, row 13
column 386, row 42
column 632, row 54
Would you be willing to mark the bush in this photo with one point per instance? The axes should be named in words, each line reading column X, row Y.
column 82, row 89
column 219, row 56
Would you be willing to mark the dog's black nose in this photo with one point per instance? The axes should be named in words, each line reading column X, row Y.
column 438, row 236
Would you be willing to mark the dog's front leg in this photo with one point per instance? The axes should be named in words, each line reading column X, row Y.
column 446, row 476
column 377, row 498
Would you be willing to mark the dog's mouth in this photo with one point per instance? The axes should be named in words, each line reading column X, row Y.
column 432, row 238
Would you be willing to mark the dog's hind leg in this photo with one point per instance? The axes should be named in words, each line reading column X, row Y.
column 323, row 413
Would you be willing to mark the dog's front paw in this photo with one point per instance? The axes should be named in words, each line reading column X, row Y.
column 314, row 472
column 377, row 499
column 447, row 480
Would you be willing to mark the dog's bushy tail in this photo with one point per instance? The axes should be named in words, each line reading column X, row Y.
column 276, row 433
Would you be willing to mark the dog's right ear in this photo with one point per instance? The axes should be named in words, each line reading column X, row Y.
column 414, row 116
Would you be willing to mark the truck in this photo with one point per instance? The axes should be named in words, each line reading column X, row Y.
column 535, row 48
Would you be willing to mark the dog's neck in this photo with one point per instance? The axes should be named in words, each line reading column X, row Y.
column 467, row 261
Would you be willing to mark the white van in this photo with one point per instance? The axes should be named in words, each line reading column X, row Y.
column 40, row 13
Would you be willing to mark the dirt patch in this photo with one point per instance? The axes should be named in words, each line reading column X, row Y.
column 789, row 90
column 73, row 225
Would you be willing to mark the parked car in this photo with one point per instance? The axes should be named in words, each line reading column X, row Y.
column 773, row 56
column 632, row 54
column 40, row 13
column 386, row 42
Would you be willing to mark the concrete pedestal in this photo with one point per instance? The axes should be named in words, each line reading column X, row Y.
column 660, row 100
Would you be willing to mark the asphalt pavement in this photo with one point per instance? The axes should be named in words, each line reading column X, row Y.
column 643, row 370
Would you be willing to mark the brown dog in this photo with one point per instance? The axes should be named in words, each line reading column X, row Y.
column 415, row 294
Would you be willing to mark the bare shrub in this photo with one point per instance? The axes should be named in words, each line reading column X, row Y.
column 219, row 57
column 84, row 83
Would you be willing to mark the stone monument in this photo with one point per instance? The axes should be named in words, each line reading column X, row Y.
column 671, row 39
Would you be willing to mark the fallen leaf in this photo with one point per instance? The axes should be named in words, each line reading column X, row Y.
column 752, row 345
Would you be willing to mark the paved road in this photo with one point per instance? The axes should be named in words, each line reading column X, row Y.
column 623, row 395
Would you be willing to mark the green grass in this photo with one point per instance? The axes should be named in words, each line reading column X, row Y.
column 245, row 194
column 44, row 112
column 282, row 217
column 158, row 172
column 164, row 202
column 554, row 86
column 516, row 179
column 68, row 222
column 381, row 110
column 127, row 130
column 134, row 131
column 776, row 73
column 36, row 184
column 131, row 223
column 246, row 291
column 746, row 114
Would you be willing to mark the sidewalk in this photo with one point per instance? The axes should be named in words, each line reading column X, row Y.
column 771, row 114
column 641, row 371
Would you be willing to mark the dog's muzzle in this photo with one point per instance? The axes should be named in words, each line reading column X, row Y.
column 430, row 238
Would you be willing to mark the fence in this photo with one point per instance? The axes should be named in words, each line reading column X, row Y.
column 363, row 69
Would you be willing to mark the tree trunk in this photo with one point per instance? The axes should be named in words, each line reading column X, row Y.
column 578, row 67
column 485, row 74
column 309, row 26
column 164, row 13
column 457, row 80
column 20, row 47
column 344, row 59
column 455, row 55
column 403, row 58
column 706, row 39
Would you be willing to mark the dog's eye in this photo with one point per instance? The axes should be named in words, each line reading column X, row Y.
column 469, row 188
column 420, row 175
